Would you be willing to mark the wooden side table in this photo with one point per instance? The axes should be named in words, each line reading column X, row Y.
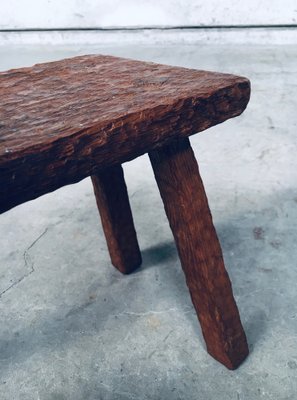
column 63, row 121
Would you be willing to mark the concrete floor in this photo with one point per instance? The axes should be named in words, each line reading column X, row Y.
column 72, row 327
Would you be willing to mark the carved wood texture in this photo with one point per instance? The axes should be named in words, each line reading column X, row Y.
column 62, row 121
column 117, row 221
column 186, row 206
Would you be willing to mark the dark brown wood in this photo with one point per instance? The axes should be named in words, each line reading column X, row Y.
column 186, row 206
column 117, row 221
column 61, row 121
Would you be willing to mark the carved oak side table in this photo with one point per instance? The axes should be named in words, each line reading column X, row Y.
column 63, row 121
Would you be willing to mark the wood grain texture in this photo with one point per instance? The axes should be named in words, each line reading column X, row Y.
column 117, row 221
column 61, row 121
column 186, row 206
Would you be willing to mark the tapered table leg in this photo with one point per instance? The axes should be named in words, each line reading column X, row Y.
column 181, row 188
column 117, row 221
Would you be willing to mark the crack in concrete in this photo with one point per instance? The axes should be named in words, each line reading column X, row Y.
column 28, row 261
column 152, row 312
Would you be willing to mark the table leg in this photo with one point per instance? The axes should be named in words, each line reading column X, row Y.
column 181, row 188
column 116, row 216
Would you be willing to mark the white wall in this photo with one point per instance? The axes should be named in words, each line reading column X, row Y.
column 49, row 14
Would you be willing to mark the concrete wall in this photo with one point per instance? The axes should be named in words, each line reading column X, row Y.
column 55, row 14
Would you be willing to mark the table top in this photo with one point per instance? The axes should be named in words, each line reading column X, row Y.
column 48, row 101
column 99, row 110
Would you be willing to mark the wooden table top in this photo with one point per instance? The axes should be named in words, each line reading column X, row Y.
column 71, row 116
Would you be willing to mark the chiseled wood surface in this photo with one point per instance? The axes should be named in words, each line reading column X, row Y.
column 186, row 206
column 116, row 217
column 61, row 121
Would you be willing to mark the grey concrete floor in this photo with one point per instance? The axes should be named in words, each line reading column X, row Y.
column 72, row 327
